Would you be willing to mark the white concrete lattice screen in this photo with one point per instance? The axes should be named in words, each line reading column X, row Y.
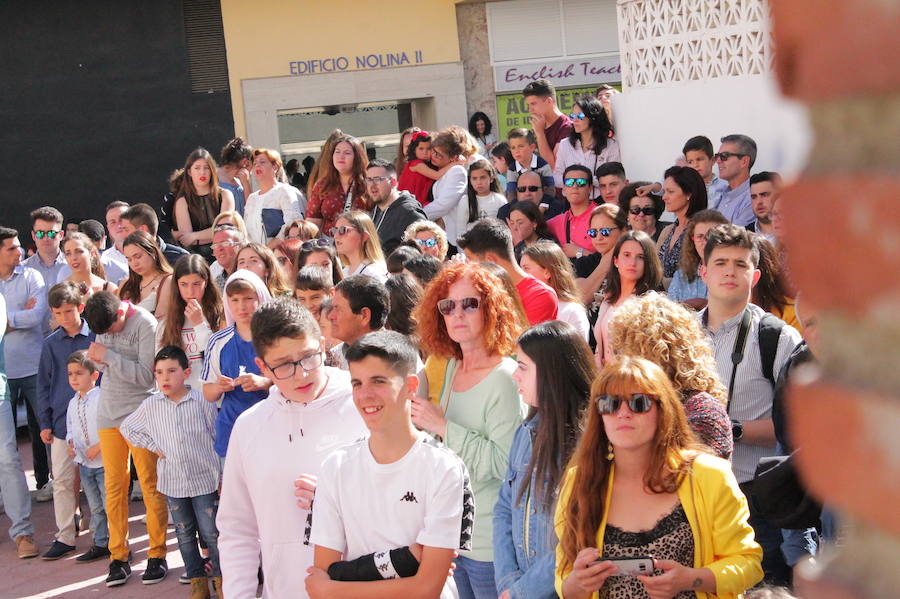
column 670, row 41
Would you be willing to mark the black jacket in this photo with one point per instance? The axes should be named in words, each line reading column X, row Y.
column 391, row 223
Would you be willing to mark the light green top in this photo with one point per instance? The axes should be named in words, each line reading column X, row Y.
column 481, row 423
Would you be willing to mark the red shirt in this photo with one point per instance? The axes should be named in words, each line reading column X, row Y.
column 328, row 205
column 539, row 299
column 415, row 183
column 558, row 131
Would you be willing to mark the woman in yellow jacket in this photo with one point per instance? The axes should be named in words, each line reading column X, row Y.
column 639, row 485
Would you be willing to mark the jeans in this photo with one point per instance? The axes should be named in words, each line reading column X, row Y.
column 94, row 485
column 27, row 387
column 190, row 515
column 474, row 579
column 13, row 487
column 775, row 569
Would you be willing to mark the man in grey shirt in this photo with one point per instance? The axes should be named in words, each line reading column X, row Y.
column 730, row 272
column 124, row 351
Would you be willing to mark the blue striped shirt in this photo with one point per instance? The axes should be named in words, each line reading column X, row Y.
column 184, row 432
column 23, row 344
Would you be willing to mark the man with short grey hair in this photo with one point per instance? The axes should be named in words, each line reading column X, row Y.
column 735, row 158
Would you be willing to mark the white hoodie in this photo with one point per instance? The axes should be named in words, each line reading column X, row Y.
column 271, row 444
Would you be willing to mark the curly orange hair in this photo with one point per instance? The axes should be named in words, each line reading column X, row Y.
column 501, row 327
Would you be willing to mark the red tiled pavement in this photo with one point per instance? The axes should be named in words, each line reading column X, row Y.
column 38, row 579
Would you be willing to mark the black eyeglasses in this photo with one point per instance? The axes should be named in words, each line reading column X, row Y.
column 311, row 244
column 52, row 233
column 342, row 230
column 525, row 188
column 427, row 243
column 646, row 210
column 638, row 403
column 579, row 182
column 468, row 305
column 602, row 231
column 723, row 156
column 307, row 363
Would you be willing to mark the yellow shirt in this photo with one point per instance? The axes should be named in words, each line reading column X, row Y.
column 717, row 513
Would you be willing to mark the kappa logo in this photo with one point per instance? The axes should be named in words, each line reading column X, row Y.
column 409, row 497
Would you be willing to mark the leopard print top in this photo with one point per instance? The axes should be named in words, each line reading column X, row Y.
column 670, row 539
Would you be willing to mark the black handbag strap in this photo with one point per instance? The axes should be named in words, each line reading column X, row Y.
column 737, row 354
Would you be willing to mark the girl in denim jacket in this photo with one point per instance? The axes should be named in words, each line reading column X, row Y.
column 554, row 374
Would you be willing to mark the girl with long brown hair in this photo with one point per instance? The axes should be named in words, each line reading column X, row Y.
column 638, row 485
column 546, row 262
column 83, row 259
column 199, row 199
column 261, row 261
column 194, row 313
column 149, row 274
column 342, row 186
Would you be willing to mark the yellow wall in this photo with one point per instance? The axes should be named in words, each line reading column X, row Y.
column 263, row 37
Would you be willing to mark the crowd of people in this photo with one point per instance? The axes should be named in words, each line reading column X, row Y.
column 485, row 369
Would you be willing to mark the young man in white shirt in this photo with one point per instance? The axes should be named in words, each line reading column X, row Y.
column 397, row 490
column 309, row 413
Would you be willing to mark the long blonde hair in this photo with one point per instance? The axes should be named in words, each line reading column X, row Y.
column 547, row 254
column 371, row 247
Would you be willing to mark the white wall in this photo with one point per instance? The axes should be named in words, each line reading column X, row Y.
column 652, row 124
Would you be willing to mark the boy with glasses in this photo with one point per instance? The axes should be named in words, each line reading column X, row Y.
column 571, row 227
column 522, row 146
column 309, row 413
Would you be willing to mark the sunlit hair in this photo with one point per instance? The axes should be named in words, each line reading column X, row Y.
column 185, row 186
column 331, row 178
column 673, row 449
column 291, row 249
column 549, row 255
column 211, row 302
column 326, row 154
column 96, row 265
column 303, row 257
column 274, row 157
column 500, row 330
column 615, row 214
column 510, row 287
column 370, row 245
column 131, row 288
column 236, row 219
column 654, row 327
column 275, row 281
column 689, row 261
column 305, row 229
column 771, row 291
column 426, row 225
column 466, row 141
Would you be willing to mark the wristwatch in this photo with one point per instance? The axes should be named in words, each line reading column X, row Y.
column 737, row 430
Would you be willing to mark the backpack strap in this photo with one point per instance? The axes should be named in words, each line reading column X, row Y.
column 737, row 354
column 769, row 332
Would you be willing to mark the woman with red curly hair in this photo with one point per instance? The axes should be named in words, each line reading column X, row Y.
column 466, row 317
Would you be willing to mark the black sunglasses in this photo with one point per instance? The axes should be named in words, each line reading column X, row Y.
column 312, row 244
column 525, row 188
column 638, row 403
column 646, row 210
column 723, row 156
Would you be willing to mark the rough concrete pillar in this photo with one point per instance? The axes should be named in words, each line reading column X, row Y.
column 471, row 25
column 843, row 226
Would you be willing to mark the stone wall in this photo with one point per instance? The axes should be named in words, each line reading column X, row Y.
column 474, row 51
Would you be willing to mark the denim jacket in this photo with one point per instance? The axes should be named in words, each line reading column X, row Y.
column 524, row 539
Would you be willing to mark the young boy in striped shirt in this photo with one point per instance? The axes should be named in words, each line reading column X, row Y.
column 179, row 425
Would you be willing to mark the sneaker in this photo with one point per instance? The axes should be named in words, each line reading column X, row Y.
column 119, row 572
column 136, row 493
column 207, row 567
column 156, row 571
column 184, row 578
column 92, row 554
column 45, row 493
column 58, row 550
column 25, row 547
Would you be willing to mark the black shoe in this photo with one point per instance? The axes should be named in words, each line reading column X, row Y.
column 118, row 573
column 92, row 554
column 156, row 571
column 57, row 550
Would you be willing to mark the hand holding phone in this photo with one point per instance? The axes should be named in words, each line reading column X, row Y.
column 641, row 565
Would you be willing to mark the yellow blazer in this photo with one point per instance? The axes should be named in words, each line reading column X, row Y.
column 717, row 512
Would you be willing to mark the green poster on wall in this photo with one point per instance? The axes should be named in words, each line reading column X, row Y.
column 512, row 112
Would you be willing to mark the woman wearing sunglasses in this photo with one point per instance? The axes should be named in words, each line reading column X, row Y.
column 639, row 485
column 635, row 270
column 430, row 238
column 589, row 143
column 358, row 246
column 606, row 226
column 643, row 211
column 466, row 318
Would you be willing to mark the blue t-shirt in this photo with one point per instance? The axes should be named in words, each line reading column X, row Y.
column 229, row 355
column 238, row 192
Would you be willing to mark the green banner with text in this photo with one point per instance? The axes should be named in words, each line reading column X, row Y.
column 512, row 112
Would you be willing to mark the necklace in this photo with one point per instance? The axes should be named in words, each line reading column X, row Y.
column 153, row 280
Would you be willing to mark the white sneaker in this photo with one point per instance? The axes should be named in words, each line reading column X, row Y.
column 45, row 493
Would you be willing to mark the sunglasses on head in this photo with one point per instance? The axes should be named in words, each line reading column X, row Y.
column 342, row 230
column 646, row 210
column 52, row 233
column 427, row 243
column 525, row 188
column 576, row 182
column 602, row 231
column 311, row 244
column 638, row 403
column 723, row 156
column 468, row 305
column 577, row 116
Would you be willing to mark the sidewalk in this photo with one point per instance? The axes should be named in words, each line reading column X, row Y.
column 38, row 579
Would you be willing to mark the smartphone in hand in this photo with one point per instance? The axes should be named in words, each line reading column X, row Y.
column 630, row 566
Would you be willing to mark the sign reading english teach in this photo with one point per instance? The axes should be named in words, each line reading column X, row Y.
column 561, row 73
column 362, row 62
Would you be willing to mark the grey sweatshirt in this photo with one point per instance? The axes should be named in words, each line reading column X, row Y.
column 128, row 372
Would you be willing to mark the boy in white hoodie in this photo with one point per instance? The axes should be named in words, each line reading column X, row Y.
column 309, row 413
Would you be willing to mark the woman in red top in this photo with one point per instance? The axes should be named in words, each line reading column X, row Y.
column 342, row 186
